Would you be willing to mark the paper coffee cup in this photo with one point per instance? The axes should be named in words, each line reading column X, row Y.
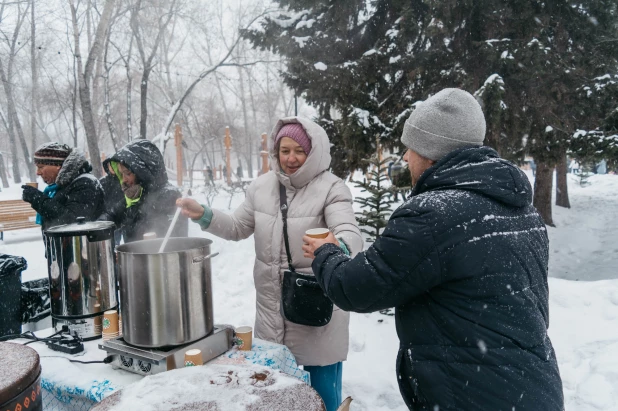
column 245, row 334
column 317, row 232
column 193, row 358
column 98, row 320
column 110, row 322
column 33, row 184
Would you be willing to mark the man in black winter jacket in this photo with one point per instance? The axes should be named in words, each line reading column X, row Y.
column 71, row 192
column 464, row 262
column 149, row 200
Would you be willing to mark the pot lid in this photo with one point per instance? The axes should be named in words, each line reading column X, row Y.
column 82, row 227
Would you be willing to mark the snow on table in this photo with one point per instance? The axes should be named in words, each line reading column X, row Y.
column 216, row 387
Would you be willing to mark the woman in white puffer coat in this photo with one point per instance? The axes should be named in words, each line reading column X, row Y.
column 300, row 158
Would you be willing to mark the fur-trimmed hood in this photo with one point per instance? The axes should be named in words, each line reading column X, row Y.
column 74, row 166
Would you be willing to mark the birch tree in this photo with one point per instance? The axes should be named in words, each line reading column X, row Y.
column 85, row 72
column 14, row 128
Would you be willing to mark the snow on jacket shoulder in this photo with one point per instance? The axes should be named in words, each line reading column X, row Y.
column 155, row 209
column 316, row 198
column 464, row 261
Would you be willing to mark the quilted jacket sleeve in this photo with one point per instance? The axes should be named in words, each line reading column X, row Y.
column 238, row 225
column 401, row 264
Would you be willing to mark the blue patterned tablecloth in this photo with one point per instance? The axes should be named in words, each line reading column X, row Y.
column 58, row 396
column 275, row 356
column 71, row 386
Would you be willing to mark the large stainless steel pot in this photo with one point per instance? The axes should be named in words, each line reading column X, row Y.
column 82, row 280
column 166, row 298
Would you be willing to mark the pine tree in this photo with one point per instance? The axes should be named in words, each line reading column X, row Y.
column 377, row 206
column 364, row 65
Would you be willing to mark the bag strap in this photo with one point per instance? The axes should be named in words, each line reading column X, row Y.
column 284, row 215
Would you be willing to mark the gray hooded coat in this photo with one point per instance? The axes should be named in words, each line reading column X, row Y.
column 316, row 198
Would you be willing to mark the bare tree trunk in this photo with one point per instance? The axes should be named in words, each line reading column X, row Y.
column 143, row 103
column 96, row 94
column 147, row 60
column 5, row 180
column 8, row 124
column 129, row 90
column 252, row 138
column 85, row 75
column 245, row 119
column 108, row 111
column 15, row 124
column 7, row 81
column 74, row 106
column 35, row 77
column 89, row 24
column 542, row 191
column 562, row 192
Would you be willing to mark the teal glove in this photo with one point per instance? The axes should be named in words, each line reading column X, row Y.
column 205, row 219
column 343, row 247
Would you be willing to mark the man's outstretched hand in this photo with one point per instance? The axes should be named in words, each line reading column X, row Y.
column 312, row 244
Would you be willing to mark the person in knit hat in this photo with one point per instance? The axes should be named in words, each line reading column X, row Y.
column 71, row 191
column 315, row 198
column 464, row 262
column 296, row 133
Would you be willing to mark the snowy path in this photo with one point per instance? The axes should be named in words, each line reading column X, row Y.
column 584, row 244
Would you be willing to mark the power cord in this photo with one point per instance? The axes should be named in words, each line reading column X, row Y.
column 106, row 360
column 62, row 340
column 29, row 335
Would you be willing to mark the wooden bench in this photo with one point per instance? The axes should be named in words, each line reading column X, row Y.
column 15, row 215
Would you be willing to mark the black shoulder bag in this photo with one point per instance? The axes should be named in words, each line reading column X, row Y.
column 302, row 299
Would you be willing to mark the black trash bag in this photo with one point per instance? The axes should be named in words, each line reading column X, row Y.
column 10, row 293
column 35, row 301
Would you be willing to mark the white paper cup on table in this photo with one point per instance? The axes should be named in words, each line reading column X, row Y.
column 98, row 320
column 110, row 324
column 245, row 334
column 193, row 358
column 317, row 232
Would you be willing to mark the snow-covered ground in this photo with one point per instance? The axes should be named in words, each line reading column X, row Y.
column 583, row 300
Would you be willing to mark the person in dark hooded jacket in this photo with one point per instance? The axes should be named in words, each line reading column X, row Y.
column 464, row 262
column 112, row 187
column 71, row 192
column 149, row 201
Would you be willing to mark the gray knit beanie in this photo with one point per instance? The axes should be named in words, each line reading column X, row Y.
column 449, row 120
